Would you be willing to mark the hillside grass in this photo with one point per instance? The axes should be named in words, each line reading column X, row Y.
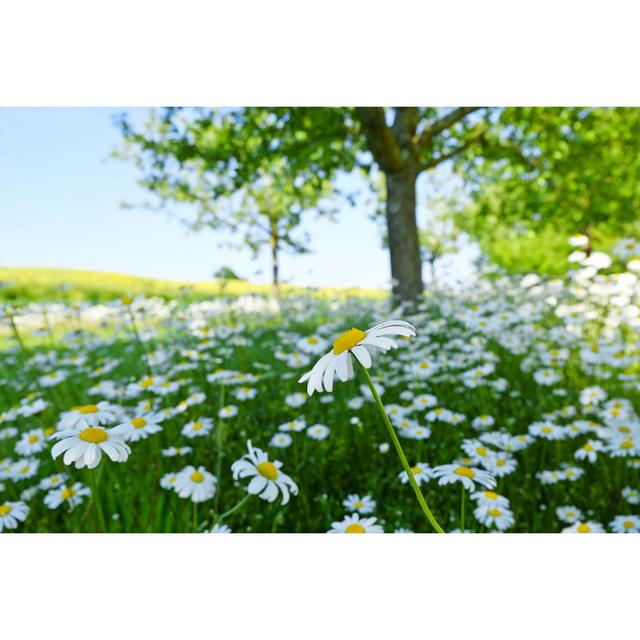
column 22, row 285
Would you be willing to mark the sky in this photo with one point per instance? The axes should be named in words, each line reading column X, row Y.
column 60, row 206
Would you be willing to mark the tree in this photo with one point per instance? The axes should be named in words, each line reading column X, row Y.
column 548, row 173
column 224, row 165
column 217, row 153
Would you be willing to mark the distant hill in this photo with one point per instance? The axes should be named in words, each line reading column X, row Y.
column 20, row 285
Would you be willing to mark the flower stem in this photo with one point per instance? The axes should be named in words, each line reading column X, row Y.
column 234, row 509
column 96, row 500
column 462, row 507
column 403, row 459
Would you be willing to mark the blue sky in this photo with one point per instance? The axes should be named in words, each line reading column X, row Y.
column 60, row 196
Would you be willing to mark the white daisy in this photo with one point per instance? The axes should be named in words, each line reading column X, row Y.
column 359, row 343
column 450, row 473
column 363, row 505
column 318, row 431
column 69, row 495
column 197, row 428
column 88, row 415
column 32, row 441
column 355, row 524
column 11, row 513
column 266, row 478
column 140, row 427
column 85, row 447
column 197, row 484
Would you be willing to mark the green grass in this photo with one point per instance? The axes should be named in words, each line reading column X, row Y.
column 21, row 285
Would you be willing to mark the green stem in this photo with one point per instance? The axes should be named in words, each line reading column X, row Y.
column 141, row 346
column 195, row 516
column 398, row 447
column 462, row 507
column 234, row 509
column 96, row 500
column 219, row 446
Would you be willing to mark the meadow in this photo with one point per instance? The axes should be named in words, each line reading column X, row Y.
column 530, row 382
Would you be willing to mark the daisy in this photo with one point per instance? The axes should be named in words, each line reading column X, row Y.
column 584, row 527
column 244, row 393
column 625, row 524
column 450, row 473
column 267, row 481
column 31, row 442
column 176, row 451
column 589, row 451
column 219, row 528
column 88, row 415
column 632, row 496
column 318, row 431
column 85, row 447
column 421, row 472
column 358, row 343
column 53, row 481
column 197, row 428
column 70, row 495
column 281, row 440
column 228, row 412
column 197, row 484
column 24, row 469
column 10, row 513
column 363, row 505
column 140, row 428
column 569, row 514
column 299, row 424
column 168, row 480
column 354, row 524
column 490, row 499
column 295, row 400
column 500, row 517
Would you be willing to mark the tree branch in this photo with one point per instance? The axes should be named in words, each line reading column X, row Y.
column 442, row 124
column 380, row 138
column 454, row 151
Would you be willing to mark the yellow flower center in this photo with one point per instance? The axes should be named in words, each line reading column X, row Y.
column 348, row 340
column 424, row 365
column 358, row 504
column 197, row 476
column 492, row 495
column 93, row 434
column 465, row 471
column 355, row 528
column 547, row 429
column 267, row 470
column 627, row 444
column 138, row 423
column 584, row 528
column 495, row 513
column 312, row 340
column 500, row 462
column 481, row 451
column 627, row 524
column 67, row 493
column 126, row 300
column 33, row 438
column 146, row 382
column 87, row 408
column 588, row 447
column 416, row 470
column 5, row 509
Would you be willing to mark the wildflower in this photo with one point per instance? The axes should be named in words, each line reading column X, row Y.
column 354, row 524
column 584, row 527
column 140, row 428
column 85, row 447
column 197, row 428
column 500, row 517
column 468, row 476
column 569, row 514
column 65, row 494
column 267, row 481
column 31, row 442
column 318, row 431
column 228, row 412
column 197, row 484
column 358, row 343
column 632, row 496
column 219, row 528
column 11, row 513
column 625, row 524
column 88, row 415
column 281, row 440
column 171, row 452
column 421, row 471
column 363, row 505
column 490, row 499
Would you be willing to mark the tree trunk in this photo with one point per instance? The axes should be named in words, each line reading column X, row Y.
column 404, row 245
column 275, row 279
